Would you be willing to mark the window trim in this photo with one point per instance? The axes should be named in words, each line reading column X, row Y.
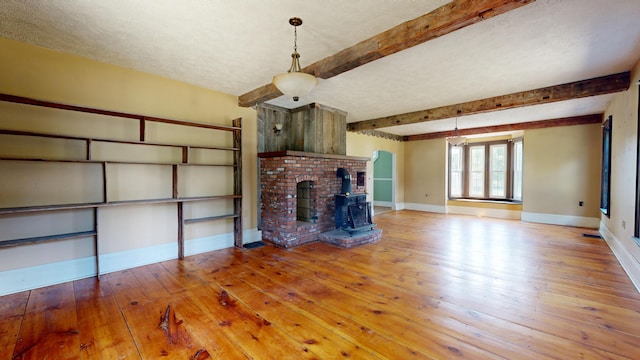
column 605, row 175
column 466, row 171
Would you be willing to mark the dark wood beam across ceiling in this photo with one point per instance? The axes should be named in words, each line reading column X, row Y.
column 579, row 89
column 575, row 120
column 441, row 21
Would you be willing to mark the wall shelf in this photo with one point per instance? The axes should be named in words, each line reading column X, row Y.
column 183, row 160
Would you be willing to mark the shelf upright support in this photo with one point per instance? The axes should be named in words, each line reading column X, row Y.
column 88, row 153
column 142, row 129
column 185, row 154
column 237, row 182
column 96, row 241
column 180, row 230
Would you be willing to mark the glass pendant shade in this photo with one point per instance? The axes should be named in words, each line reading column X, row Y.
column 295, row 83
column 456, row 140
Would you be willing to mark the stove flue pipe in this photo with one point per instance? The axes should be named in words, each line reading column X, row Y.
column 346, row 180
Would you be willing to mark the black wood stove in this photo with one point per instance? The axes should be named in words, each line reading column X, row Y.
column 353, row 212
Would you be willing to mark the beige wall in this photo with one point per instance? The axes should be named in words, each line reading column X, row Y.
column 47, row 75
column 365, row 145
column 426, row 173
column 561, row 167
column 618, row 229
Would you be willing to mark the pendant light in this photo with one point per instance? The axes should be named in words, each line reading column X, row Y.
column 456, row 139
column 295, row 83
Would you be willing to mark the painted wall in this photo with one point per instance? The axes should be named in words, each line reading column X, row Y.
column 561, row 167
column 618, row 229
column 365, row 145
column 426, row 175
column 138, row 231
column 382, row 177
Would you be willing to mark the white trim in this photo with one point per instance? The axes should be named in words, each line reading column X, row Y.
column 488, row 212
column 33, row 277
column 426, row 207
column 399, row 206
column 383, row 203
column 137, row 257
column 630, row 265
column 555, row 219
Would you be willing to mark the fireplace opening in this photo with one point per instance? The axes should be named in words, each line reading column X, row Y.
column 306, row 196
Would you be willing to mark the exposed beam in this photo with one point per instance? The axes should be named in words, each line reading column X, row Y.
column 579, row 89
column 575, row 120
column 441, row 21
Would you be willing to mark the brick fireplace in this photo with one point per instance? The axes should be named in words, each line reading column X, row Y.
column 298, row 194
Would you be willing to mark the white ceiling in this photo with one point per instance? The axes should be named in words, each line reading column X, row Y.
column 237, row 46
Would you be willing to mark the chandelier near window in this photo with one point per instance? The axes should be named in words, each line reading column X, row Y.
column 295, row 83
column 456, row 139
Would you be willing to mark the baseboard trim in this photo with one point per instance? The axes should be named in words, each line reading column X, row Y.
column 33, row 277
column 626, row 260
column 425, row 207
column 382, row 203
column 488, row 212
column 567, row 220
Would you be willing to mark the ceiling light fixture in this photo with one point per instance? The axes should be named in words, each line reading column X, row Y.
column 456, row 139
column 294, row 82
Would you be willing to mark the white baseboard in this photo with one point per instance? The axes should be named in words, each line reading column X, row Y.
column 399, row 206
column 33, row 277
column 555, row 219
column 382, row 203
column 426, row 207
column 488, row 212
column 626, row 260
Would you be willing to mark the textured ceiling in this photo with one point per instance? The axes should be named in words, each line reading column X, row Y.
column 237, row 46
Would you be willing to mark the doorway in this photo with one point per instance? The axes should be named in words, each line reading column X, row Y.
column 384, row 170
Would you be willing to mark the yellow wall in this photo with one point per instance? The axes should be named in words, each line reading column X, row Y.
column 365, row 145
column 52, row 76
column 561, row 167
column 426, row 173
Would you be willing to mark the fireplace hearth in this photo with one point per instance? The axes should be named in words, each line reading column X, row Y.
column 299, row 196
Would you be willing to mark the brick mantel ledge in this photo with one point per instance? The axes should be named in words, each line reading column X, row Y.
column 311, row 155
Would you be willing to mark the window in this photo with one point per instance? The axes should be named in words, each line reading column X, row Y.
column 488, row 170
column 605, row 184
column 517, row 170
column 456, row 165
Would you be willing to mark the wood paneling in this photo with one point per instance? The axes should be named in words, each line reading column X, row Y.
column 311, row 128
column 434, row 287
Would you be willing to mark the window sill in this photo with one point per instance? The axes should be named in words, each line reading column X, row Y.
column 490, row 201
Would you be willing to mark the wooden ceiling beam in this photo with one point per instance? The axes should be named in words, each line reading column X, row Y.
column 579, row 89
column 441, row 21
column 568, row 121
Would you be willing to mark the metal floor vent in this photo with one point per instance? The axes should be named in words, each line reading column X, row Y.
column 594, row 236
column 253, row 245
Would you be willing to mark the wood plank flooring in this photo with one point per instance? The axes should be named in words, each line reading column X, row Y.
column 435, row 287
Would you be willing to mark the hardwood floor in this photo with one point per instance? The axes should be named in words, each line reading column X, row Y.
column 435, row 287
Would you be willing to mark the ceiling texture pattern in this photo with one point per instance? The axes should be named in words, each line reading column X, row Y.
column 238, row 46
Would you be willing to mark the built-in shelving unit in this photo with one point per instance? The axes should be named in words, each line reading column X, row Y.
column 105, row 166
